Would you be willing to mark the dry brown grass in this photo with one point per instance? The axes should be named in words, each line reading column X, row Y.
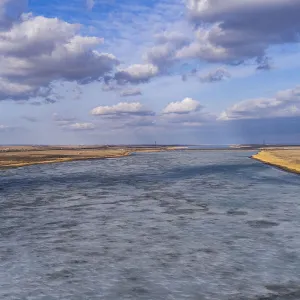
column 20, row 156
column 285, row 158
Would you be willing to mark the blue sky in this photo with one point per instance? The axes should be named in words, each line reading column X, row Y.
column 108, row 71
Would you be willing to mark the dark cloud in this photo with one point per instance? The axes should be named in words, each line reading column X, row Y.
column 10, row 11
column 215, row 76
column 263, row 64
column 233, row 31
column 269, row 130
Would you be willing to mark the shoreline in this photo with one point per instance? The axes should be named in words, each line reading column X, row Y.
column 57, row 161
column 284, row 158
column 16, row 157
column 287, row 159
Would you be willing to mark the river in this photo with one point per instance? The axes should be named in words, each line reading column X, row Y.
column 173, row 225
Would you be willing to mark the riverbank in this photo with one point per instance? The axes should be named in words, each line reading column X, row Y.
column 20, row 156
column 287, row 159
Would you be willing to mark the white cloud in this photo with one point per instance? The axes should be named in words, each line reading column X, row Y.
column 136, row 73
column 185, row 106
column 71, row 123
column 203, row 48
column 160, row 55
column 163, row 53
column 284, row 104
column 82, row 126
column 173, row 37
column 36, row 51
column 122, row 108
column 136, row 25
column 35, row 35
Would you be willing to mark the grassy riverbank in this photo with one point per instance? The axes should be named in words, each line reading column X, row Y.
column 19, row 156
column 287, row 158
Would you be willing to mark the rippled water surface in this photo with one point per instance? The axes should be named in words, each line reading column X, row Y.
column 177, row 225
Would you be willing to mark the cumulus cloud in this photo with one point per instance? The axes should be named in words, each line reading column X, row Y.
column 233, row 31
column 14, row 90
column 173, row 37
column 185, row 106
column 204, row 49
column 130, row 92
column 122, row 108
column 82, row 126
column 160, row 55
column 284, row 104
column 185, row 113
column 137, row 73
column 36, row 51
column 164, row 51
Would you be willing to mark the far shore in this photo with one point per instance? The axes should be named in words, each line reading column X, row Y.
column 285, row 158
column 20, row 156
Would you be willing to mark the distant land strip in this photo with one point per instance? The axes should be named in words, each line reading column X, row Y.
column 20, row 156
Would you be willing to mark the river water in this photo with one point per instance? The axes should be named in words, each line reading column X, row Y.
column 175, row 225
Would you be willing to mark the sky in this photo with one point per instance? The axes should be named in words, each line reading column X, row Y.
column 136, row 72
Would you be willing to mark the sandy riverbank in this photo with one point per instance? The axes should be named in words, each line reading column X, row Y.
column 19, row 156
column 287, row 158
